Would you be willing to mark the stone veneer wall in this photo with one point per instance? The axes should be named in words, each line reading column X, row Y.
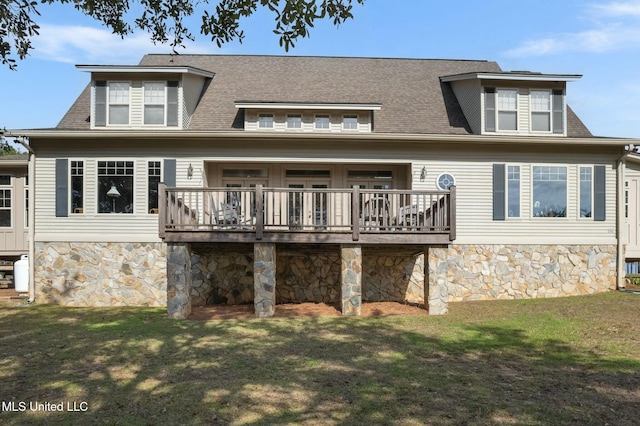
column 101, row 274
column 486, row 272
column 393, row 274
column 305, row 275
column 223, row 274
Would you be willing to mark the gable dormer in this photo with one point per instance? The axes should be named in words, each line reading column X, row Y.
column 513, row 103
column 144, row 97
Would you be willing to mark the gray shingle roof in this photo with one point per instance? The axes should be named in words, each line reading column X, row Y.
column 412, row 97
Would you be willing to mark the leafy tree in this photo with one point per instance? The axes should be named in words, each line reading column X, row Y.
column 6, row 149
column 164, row 19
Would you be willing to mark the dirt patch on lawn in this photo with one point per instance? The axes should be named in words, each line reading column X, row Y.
column 374, row 309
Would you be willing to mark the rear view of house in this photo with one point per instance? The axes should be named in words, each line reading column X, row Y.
column 200, row 179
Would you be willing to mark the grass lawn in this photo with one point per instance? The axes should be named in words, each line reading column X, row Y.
column 531, row 362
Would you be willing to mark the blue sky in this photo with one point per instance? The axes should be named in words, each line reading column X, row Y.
column 599, row 39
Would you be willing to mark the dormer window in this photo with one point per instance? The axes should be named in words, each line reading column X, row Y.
column 118, row 102
column 136, row 104
column 540, row 110
column 154, row 102
column 322, row 122
column 507, row 109
column 350, row 122
column 265, row 121
column 294, row 121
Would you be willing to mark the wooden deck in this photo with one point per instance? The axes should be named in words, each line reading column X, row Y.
column 297, row 215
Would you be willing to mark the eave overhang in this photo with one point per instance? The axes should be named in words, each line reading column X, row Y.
column 370, row 137
column 307, row 106
column 511, row 76
column 136, row 69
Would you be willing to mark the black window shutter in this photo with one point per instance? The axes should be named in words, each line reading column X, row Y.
column 100, row 104
column 170, row 172
column 599, row 193
column 62, row 187
column 558, row 112
column 498, row 192
column 489, row 109
column 172, row 103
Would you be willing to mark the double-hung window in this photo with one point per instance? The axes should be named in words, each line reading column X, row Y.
column 5, row 201
column 115, row 186
column 118, row 102
column 507, row 107
column 154, row 102
column 540, row 110
column 549, row 191
column 500, row 109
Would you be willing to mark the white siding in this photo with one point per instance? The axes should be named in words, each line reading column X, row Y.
column 471, row 167
column 474, row 177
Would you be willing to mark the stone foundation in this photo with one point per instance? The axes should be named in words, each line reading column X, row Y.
column 222, row 274
column 101, row 274
column 393, row 274
column 489, row 272
column 120, row 274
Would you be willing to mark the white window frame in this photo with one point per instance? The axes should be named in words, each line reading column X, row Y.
column 9, row 187
column 294, row 121
column 134, row 193
column 346, row 117
column 548, row 112
column 315, row 121
column 508, row 192
column 261, row 122
column 109, row 103
column 592, row 191
column 84, row 185
column 163, row 103
column 499, row 109
column 438, row 181
column 532, row 196
column 154, row 160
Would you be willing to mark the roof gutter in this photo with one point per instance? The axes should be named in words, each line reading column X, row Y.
column 369, row 137
column 620, row 230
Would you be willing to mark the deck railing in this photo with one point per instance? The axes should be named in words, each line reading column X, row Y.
column 310, row 210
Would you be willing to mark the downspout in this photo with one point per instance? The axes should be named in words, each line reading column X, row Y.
column 32, row 218
column 620, row 233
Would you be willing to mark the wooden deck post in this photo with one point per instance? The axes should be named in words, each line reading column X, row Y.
column 259, row 212
column 452, row 213
column 355, row 212
column 162, row 209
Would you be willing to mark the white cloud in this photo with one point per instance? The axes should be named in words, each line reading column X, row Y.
column 607, row 35
column 620, row 8
column 81, row 44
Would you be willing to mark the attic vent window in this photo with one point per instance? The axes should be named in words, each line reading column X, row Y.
column 265, row 121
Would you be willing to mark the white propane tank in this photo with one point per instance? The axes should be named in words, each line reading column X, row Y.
column 21, row 274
